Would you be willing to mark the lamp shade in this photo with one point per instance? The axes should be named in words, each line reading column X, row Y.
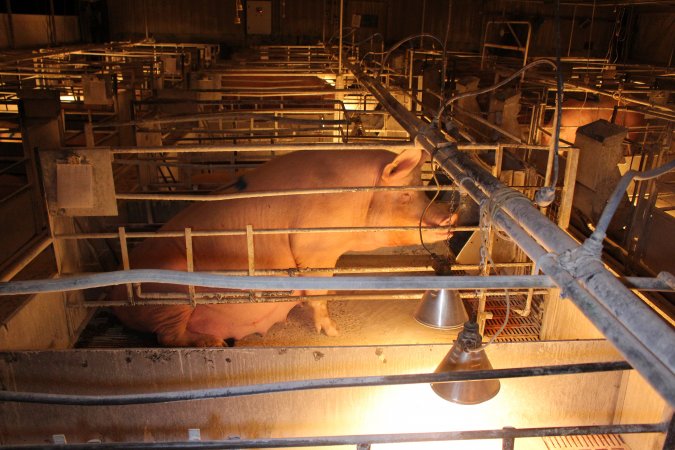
column 466, row 354
column 441, row 309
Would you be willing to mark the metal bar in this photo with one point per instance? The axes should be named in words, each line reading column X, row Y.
column 206, row 233
column 342, row 6
column 278, row 193
column 569, row 182
column 26, row 257
column 210, row 280
column 177, row 298
column 250, row 250
column 624, row 98
column 644, row 338
column 220, row 148
column 190, row 263
column 22, row 189
column 644, row 283
column 293, row 386
column 509, row 442
column 361, row 440
column 10, row 23
column 124, row 250
column 487, row 123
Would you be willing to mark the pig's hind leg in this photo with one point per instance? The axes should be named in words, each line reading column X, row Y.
column 308, row 252
column 322, row 320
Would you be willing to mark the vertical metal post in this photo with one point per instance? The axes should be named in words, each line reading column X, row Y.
column 508, row 443
column 52, row 21
column 124, row 249
column 189, row 255
column 250, row 250
column 499, row 157
column 342, row 5
column 567, row 194
column 10, row 23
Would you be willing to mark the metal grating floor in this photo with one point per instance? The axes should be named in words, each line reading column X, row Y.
column 518, row 328
column 588, row 442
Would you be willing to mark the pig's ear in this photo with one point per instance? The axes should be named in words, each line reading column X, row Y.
column 403, row 165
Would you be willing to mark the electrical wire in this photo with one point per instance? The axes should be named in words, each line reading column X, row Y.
column 433, row 199
column 505, row 81
column 594, row 242
column 403, row 41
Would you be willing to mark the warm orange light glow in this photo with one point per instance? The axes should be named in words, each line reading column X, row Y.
column 417, row 409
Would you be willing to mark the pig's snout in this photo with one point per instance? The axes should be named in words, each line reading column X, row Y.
column 442, row 224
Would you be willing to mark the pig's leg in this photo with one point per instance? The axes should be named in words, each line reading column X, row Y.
column 322, row 320
column 316, row 251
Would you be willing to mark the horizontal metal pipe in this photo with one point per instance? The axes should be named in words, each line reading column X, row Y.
column 302, row 385
column 278, row 193
column 345, row 283
column 204, row 233
column 369, row 269
column 362, row 440
column 179, row 298
column 209, row 280
column 204, row 299
column 258, row 148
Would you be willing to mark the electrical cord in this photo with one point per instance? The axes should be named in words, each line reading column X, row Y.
column 546, row 194
column 403, row 41
column 594, row 242
column 433, row 199
column 505, row 81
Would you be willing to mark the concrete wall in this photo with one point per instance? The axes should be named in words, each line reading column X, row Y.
column 528, row 402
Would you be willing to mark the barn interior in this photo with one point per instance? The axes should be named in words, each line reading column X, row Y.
column 544, row 322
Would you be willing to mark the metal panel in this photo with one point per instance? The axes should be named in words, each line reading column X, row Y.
column 100, row 160
column 259, row 17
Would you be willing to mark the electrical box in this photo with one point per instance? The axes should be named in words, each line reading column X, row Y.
column 259, row 17
column 79, row 182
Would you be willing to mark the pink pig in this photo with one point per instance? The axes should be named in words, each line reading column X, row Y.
column 209, row 325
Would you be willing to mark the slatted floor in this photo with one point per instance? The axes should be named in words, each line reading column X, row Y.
column 518, row 328
column 589, row 442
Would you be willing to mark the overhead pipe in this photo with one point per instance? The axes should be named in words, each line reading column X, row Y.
column 345, row 283
column 644, row 338
column 210, row 280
